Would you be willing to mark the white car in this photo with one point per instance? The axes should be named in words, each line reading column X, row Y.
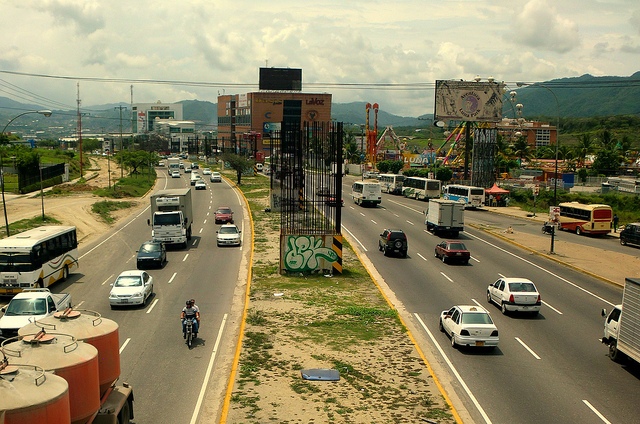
column 206, row 171
column 131, row 288
column 215, row 177
column 515, row 294
column 175, row 174
column 228, row 235
column 469, row 325
column 200, row 185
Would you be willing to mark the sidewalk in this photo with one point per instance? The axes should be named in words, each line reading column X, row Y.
column 594, row 262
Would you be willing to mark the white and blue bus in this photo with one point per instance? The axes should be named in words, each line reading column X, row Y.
column 421, row 188
column 37, row 258
column 366, row 193
column 472, row 197
column 391, row 183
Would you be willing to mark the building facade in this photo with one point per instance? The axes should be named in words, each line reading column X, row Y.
column 144, row 115
column 536, row 133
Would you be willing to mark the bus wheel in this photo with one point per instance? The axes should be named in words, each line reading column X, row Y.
column 578, row 231
column 65, row 273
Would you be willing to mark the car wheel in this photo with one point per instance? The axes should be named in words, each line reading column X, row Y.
column 622, row 242
column 453, row 341
column 379, row 247
column 385, row 251
column 444, row 259
column 440, row 325
column 578, row 230
column 504, row 309
column 466, row 262
column 488, row 297
column 398, row 244
column 614, row 354
column 435, row 254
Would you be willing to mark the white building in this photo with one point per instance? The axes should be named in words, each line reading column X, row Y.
column 145, row 115
column 179, row 132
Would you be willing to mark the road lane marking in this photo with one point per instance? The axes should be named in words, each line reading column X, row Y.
column 355, row 238
column 200, row 232
column 203, row 388
column 116, row 232
column 105, row 281
column 551, row 307
column 595, row 411
column 527, row 347
column 361, row 214
column 78, row 305
column 477, row 260
column 454, row 371
column 152, row 305
column 374, row 222
column 542, row 269
column 410, row 223
column 396, row 215
column 445, row 276
column 195, row 242
column 172, row 277
column 423, row 258
column 205, row 221
column 126, row 342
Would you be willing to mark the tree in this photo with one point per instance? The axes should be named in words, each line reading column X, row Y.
column 444, row 174
column 91, row 144
column 521, row 149
column 239, row 163
column 584, row 148
column 606, row 163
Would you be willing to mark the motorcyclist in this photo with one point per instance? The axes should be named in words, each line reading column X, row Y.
column 189, row 312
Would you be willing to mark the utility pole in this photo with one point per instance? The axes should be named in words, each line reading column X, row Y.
column 121, row 108
column 79, row 128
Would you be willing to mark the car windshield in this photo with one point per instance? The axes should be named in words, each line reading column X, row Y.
column 223, row 211
column 150, row 247
column 228, row 230
column 457, row 246
column 27, row 307
column 522, row 287
column 476, row 318
column 128, row 281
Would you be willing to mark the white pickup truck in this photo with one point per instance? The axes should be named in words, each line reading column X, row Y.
column 31, row 305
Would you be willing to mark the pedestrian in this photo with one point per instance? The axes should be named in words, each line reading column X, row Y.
column 615, row 223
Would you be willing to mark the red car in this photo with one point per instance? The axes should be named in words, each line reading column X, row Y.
column 224, row 215
column 452, row 251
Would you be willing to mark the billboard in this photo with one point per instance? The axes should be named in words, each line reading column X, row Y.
column 285, row 79
column 468, row 101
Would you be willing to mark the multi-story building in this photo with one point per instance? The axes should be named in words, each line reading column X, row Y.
column 536, row 133
column 179, row 133
column 144, row 115
column 246, row 121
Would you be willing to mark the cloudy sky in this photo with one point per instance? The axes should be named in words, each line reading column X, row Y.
column 196, row 49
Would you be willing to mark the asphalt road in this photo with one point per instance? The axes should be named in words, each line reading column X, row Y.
column 169, row 380
column 551, row 368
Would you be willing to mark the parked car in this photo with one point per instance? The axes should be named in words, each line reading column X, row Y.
column 131, row 288
column 151, row 253
column 630, row 234
column 175, row 174
column 333, row 201
column 515, row 294
column 452, row 251
column 215, row 177
column 200, row 185
column 469, row 325
column 228, row 235
column 224, row 215
column 393, row 241
column 206, row 171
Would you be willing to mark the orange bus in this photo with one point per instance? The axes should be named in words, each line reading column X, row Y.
column 587, row 219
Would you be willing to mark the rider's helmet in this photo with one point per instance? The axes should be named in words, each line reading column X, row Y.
column 189, row 303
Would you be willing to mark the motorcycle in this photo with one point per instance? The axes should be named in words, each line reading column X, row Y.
column 188, row 331
column 547, row 228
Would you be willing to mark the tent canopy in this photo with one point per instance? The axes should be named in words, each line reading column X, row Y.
column 496, row 190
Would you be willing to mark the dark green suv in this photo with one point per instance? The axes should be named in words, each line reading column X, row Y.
column 630, row 234
column 393, row 241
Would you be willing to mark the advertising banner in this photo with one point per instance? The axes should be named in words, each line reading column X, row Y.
column 468, row 101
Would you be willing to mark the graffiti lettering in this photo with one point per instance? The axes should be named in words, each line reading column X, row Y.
column 302, row 253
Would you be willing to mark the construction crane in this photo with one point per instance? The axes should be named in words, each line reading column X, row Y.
column 372, row 135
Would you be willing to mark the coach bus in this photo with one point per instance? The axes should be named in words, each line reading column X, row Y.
column 391, row 183
column 37, row 258
column 587, row 219
column 366, row 193
column 421, row 188
column 472, row 197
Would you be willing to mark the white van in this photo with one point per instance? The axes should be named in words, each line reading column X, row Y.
column 195, row 177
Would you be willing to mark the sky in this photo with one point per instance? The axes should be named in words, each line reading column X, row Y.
column 385, row 52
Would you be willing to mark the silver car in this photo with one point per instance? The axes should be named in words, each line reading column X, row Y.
column 228, row 235
column 131, row 288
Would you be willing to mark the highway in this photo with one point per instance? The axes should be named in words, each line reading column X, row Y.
column 551, row 368
column 169, row 380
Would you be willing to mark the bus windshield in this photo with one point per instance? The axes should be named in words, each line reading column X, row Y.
column 16, row 262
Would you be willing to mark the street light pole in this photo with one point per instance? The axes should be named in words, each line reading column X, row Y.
column 555, row 175
column 46, row 113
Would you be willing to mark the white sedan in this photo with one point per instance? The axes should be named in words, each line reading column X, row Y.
column 215, row 177
column 515, row 294
column 175, row 174
column 469, row 325
column 200, row 185
column 206, row 171
column 131, row 288
column 228, row 235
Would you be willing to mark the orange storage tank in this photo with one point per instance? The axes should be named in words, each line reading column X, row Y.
column 76, row 362
column 31, row 396
column 89, row 327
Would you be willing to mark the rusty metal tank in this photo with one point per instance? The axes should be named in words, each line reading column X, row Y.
column 76, row 362
column 31, row 396
column 89, row 327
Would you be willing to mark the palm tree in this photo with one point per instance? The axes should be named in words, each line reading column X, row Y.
column 521, row 149
column 584, row 148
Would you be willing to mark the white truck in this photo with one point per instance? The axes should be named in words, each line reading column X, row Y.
column 622, row 324
column 31, row 305
column 445, row 217
column 173, row 164
column 171, row 216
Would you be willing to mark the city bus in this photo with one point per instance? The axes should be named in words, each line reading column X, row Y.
column 391, row 183
column 37, row 258
column 421, row 188
column 472, row 197
column 588, row 219
column 366, row 193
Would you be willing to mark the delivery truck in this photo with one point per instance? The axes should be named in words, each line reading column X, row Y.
column 171, row 216
column 445, row 217
column 622, row 324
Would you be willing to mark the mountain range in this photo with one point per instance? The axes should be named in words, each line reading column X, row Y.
column 583, row 96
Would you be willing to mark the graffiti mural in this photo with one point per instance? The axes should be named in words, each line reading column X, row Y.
column 307, row 253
